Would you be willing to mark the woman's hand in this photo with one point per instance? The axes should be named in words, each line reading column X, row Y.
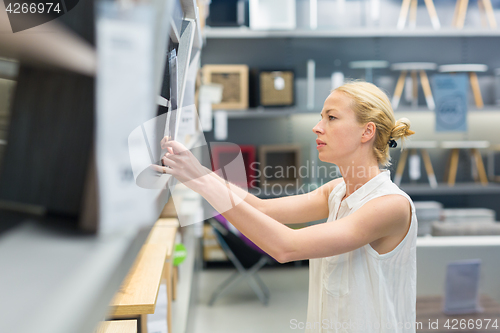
column 183, row 165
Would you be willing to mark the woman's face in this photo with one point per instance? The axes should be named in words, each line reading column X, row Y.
column 339, row 133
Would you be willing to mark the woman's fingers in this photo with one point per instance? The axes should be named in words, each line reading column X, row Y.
column 168, row 161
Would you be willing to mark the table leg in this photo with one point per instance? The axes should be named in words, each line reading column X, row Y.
column 401, row 167
column 428, row 168
column 433, row 14
column 399, row 90
column 168, row 275
column 489, row 13
column 482, row 13
column 144, row 323
column 403, row 14
column 480, row 166
column 413, row 14
column 414, row 82
column 474, row 82
column 455, row 14
column 426, row 87
column 452, row 175
column 462, row 11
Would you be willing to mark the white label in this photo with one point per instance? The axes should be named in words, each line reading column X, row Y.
column 220, row 124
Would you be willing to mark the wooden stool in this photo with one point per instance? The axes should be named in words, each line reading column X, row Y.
column 471, row 69
column 368, row 66
column 485, row 8
column 455, row 146
column 405, row 6
column 414, row 146
column 414, row 67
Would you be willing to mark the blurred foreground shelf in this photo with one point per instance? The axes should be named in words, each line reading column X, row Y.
column 56, row 282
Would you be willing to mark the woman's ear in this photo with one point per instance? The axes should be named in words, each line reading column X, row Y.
column 369, row 132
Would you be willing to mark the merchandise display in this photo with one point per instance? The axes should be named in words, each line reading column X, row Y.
column 188, row 165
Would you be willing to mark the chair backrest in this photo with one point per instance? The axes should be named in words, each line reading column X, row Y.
column 247, row 255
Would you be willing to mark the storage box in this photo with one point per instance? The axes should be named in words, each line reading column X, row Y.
column 272, row 88
column 469, row 215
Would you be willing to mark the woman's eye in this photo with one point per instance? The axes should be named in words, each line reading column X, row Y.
column 331, row 117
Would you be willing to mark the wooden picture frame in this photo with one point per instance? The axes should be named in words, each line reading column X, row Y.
column 284, row 156
column 234, row 79
column 222, row 153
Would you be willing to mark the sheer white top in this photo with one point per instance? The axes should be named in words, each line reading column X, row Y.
column 362, row 290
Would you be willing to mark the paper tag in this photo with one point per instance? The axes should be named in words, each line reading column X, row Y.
column 206, row 116
column 220, row 124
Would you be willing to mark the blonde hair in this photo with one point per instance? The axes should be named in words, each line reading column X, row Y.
column 370, row 104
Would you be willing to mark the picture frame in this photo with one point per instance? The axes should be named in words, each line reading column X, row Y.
column 280, row 159
column 224, row 153
column 234, row 79
column 272, row 87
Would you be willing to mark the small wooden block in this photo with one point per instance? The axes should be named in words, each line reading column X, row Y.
column 117, row 326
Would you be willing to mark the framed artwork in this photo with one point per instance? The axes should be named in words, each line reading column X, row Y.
column 223, row 154
column 234, row 79
column 279, row 164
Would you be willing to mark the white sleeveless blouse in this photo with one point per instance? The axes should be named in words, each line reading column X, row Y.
column 363, row 291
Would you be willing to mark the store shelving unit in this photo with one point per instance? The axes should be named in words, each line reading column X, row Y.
column 246, row 33
column 56, row 280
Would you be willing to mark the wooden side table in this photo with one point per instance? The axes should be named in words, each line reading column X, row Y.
column 414, row 146
column 473, row 146
column 117, row 326
column 485, row 8
column 414, row 68
column 472, row 70
column 405, row 7
column 430, row 310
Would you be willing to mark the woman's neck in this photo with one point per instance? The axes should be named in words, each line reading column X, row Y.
column 357, row 175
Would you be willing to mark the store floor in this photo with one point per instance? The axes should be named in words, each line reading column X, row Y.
column 241, row 311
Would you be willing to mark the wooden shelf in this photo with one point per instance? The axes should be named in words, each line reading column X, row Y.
column 245, row 32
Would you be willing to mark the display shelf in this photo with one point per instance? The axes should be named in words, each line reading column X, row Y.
column 59, row 282
column 245, row 32
column 267, row 112
column 458, row 189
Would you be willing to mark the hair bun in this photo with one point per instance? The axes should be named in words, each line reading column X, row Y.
column 401, row 129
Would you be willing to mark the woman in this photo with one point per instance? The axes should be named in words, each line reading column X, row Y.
column 363, row 260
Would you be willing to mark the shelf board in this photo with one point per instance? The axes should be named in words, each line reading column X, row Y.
column 458, row 189
column 63, row 282
column 245, row 32
column 270, row 112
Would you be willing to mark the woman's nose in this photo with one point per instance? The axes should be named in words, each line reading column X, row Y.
column 317, row 129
